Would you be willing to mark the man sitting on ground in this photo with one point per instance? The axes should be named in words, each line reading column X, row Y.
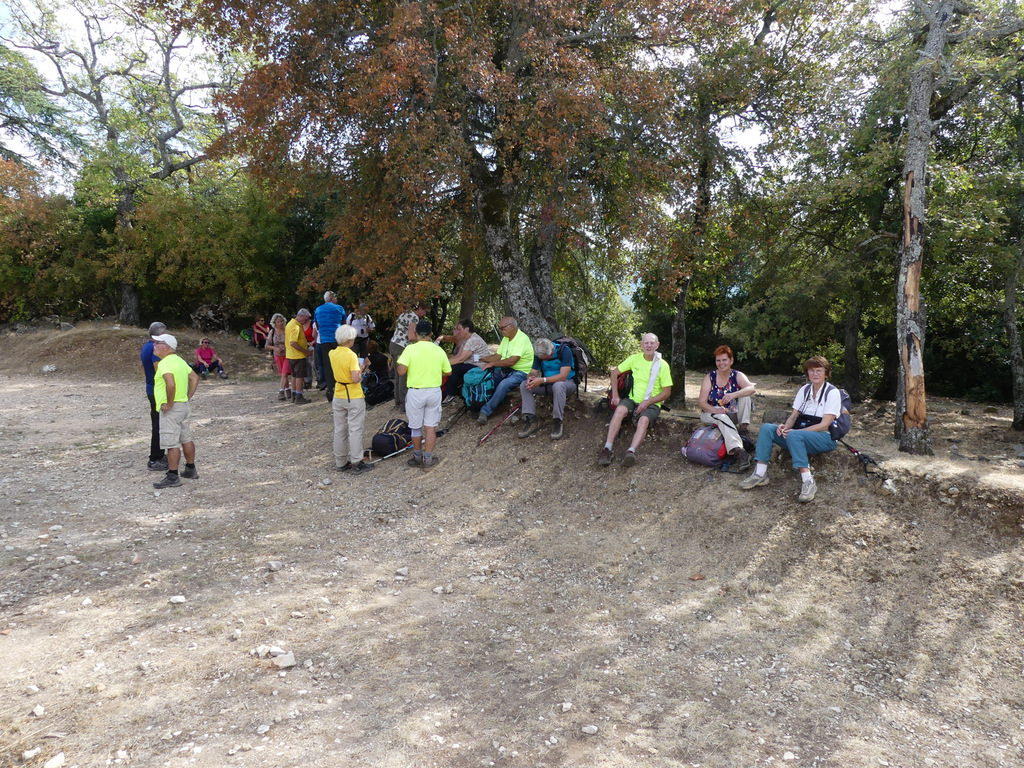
column 552, row 374
column 424, row 364
column 511, row 364
column 652, row 385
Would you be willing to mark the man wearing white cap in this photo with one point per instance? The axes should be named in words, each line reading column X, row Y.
column 173, row 386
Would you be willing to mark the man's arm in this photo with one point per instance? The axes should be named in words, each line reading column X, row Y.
column 169, row 383
column 193, row 382
column 460, row 357
column 403, row 369
column 493, row 361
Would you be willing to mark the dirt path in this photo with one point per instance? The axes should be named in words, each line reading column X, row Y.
column 681, row 620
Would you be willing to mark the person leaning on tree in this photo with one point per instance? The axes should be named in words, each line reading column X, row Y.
column 511, row 363
column 174, row 384
column 652, row 385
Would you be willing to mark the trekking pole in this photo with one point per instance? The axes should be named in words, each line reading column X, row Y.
column 509, row 416
column 864, row 459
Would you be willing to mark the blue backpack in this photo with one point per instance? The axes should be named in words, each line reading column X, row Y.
column 477, row 388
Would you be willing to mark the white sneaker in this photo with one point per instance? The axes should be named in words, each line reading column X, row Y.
column 807, row 490
column 753, row 480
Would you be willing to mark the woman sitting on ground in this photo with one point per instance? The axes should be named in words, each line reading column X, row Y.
column 207, row 360
column 805, row 432
column 260, row 332
column 726, row 400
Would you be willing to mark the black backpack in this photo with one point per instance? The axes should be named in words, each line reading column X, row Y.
column 380, row 392
column 581, row 358
column 393, row 436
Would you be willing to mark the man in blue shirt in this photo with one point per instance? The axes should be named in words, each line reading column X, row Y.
column 157, row 457
column 328, row 317
column 554, row 374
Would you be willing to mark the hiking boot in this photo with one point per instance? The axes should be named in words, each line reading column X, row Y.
column 556, row 429
column 807, row 490
column 281, row 395
column 532, row 425
column 298, row 399
column 345, row 467
column 362, row 466
column 745, row 430
column 415, row 461
column 429, row 465
column 753, row 481
column 191, row 474
column 482, row 418
column 740, row 460
column 160, row 465
column 169, row 481
column 629, row 460
column 223, row 375
column 606, row 457
column 447, row 400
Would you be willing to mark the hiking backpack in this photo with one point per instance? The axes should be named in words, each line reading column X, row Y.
column 581, row 357
column 840, row 426
column 380, row 392
column 393, row 436
column 706, row 446
column 477, row 388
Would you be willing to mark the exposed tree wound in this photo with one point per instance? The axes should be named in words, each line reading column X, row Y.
column 912, row 290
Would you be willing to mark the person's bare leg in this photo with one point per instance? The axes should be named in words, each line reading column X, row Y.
column 173, row 458
column 641, row 432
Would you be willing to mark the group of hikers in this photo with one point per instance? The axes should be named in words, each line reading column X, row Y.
column 426, row 378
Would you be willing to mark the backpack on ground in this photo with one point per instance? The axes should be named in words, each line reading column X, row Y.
column 477, row 388
column 581, row 357
column 625, row 386
column 393, row 436
column 380, row 392
column 841, row 424
column 706, row 446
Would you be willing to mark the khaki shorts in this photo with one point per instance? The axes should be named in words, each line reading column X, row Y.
column 174, row 429
column 651, row 411
column 299, row 367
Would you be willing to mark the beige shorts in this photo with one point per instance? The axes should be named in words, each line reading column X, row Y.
column 174, row 429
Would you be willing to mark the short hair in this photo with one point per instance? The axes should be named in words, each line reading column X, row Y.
column 724, row 350
column 818, row 362
column 544, row 347
column 345, row 333
column 328, row 295
column 273, row 318
column 156, row 328
column 303, row 313
column 372, row 347
column 467, row 324
column 424, row 328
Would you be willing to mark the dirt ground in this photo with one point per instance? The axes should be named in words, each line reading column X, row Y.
column 519, row 605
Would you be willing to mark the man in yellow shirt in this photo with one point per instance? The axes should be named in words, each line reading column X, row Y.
column 298, row 351
column 173, row 386
column 512, row 363
column 424, row 365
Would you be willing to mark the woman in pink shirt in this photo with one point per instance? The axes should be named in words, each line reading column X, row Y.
column 207, row 360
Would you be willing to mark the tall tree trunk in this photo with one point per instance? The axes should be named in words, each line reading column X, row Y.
column 851, row 356
column 911, row 410
column 1013, row 339
column 542, row 258
column 467, row 302
column 677, row 357
column 131, row 309
column 521, row 301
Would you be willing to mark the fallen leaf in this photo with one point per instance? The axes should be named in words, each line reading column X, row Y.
column 697, row 577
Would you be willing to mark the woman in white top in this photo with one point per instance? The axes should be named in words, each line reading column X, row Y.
column 805, row 432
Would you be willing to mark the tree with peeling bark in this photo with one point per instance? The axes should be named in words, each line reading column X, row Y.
column 535, row 125
column 947, row 24
column 140, row 93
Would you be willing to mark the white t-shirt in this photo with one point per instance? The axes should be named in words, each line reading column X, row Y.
column 818, row 405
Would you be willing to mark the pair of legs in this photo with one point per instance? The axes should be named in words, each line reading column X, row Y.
column 326, row 371
column 627, row 408
column 728, row 423
column 283, row 372
column 349, row 418
column 558, row 391
column 215, row 364
column 453, row 387
column 423, row 412
column 401, row 383
column 156, row 453
column 801, row 443
column 175, row 439
column 504, row 380
column 299, row 368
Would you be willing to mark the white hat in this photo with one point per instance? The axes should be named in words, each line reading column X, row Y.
column 167, row 339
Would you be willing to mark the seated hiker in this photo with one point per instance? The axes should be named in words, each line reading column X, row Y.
column 805, row 433
column 260, row 332
column 470, row 349
column 375, row 362
column 207, row 360
column 726, row 400
column 552, row 374
column 511, row 364
column 652, row 385
column 424, row 365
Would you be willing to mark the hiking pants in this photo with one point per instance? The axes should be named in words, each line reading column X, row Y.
column 800, row 443
column 559, row 391
column 726, row 422
column 504, row 382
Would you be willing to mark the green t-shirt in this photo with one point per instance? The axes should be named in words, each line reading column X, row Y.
column 343, row 362
column 180, row 370
column 641, row 368
column 426, row 362
column 521, row 345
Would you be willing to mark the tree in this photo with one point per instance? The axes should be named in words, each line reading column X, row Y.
column 120, row 74
column 29, row 120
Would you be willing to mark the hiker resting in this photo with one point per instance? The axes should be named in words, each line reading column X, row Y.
column 726, row 400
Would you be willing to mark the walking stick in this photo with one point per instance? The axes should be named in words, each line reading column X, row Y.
column 509, row 416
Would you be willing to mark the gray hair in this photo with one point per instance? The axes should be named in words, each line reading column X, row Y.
column 328, row 295
column 544, row 348
column 273, row 320
column 345, row 333
column 156, row 328
column 303, row 313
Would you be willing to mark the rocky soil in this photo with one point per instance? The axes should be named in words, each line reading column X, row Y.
column 517, row 606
